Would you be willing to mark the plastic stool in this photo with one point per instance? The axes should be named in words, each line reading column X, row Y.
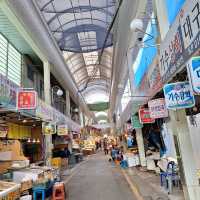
column 59, row 191
column 39, row 191
column 124, row 164
column 162, row 175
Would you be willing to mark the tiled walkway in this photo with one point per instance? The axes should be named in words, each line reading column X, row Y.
column 98, row 179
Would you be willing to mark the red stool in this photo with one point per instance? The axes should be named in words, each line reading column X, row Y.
column 59, row 191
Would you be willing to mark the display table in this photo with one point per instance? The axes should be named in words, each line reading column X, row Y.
column 7, row 188
column 88, row 151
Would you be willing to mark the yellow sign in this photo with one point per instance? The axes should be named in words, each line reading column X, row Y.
column 48, row 128
column 62, row 129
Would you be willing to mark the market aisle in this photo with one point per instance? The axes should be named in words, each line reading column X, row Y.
column 98, row 179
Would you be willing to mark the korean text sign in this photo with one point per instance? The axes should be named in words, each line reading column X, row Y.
column 26, row 99
column 62, row 129
column 193, row 67
column 158, row 108
column 136, row 122
column 144, row 115
column 178, row 95
column 182, row 40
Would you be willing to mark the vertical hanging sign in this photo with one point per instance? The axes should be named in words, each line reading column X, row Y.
column 193, row 68
column 136, row 122
column 158, row 108
column 62, row 129
column 26, row 99
column 178, row 95
column 144, row 115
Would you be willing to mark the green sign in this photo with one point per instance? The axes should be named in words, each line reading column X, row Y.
column 136, row 122
column 101, row 106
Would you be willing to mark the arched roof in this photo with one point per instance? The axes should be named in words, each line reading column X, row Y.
column 80, row 28
column 76, row 24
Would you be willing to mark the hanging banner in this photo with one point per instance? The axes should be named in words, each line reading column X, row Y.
column 193, row 68
column 182, row 40
column 178, row 95
column 26, row 100
column 62, row 129
column 3, row 131
column 136, row 122
column 144, row 115
column 8, row 93
column 48, row 128
column 154, row 78
column 158, row 108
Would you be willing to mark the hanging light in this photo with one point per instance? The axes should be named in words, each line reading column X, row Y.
column 34, row 140
column 24, row 121
column 136, row 24
column 38, row 140
column 59, row 92
column 29, row 140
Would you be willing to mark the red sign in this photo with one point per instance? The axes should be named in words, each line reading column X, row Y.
column 144, row 115
column 26, row 99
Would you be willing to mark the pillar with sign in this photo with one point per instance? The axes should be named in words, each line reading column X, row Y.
column 139, row 137
column 178, row 96
column 68, row 103
column 179, row 126
column 47, row 96
column 140, row 143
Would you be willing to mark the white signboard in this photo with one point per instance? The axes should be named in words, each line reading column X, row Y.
column 178, row 95
column 193, row 67
column 62, row 129
column 158, row 108
column 182, row 40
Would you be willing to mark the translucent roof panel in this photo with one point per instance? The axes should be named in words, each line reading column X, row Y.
column 80, row 28
column 86, row 66
column 79, row 25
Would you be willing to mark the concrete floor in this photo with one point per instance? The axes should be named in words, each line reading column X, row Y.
column 98, row 179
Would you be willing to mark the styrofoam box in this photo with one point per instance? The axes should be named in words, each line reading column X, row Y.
column 6, row 155
column 27, row 197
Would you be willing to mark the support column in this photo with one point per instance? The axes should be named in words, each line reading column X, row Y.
column 47, row 97
column 179, row 125
column 140, row 143
column 67, row 104
column 81, row 118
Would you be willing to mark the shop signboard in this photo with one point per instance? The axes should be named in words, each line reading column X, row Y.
column 48, row 128
column 62, row 129
column 26, row 100
column 43, row 111
column 8, row 91
column 151, row 83
column 50, row 114
column 3, row 131
column 136, row 122
column 154, row 78
column 158, row 108
column 193, row 67
column 178, row 95
column 144, row 115
column 182, row 40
